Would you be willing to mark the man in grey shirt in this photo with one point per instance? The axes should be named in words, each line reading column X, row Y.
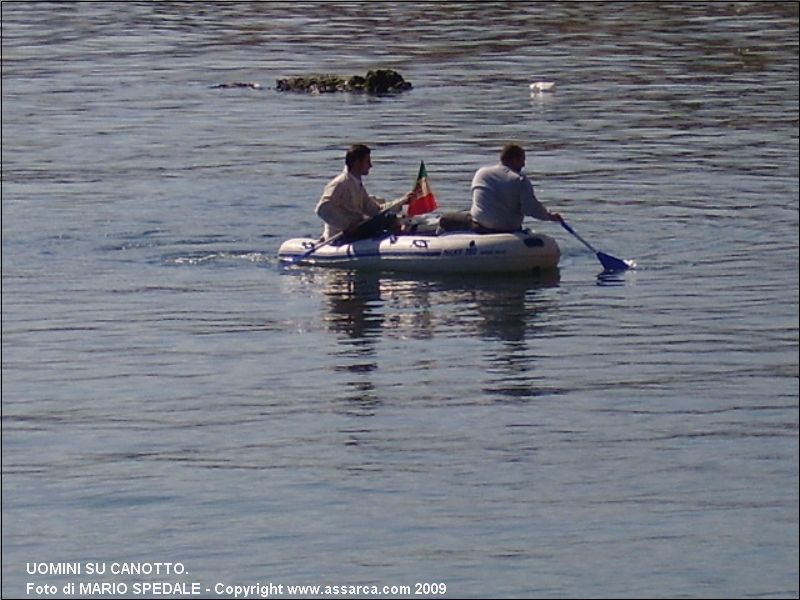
column 502, row 195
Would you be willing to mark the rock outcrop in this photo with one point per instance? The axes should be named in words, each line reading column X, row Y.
column 377, row 82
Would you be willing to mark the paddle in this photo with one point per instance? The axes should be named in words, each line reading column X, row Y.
column 610, row 263
column 330, row 240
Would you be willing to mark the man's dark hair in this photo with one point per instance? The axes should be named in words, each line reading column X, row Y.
column 511, row 152
column 355, row 153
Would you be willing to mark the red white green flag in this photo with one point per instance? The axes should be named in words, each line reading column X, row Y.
column 424, row 200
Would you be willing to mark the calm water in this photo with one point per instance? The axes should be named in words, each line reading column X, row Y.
column 172, row 394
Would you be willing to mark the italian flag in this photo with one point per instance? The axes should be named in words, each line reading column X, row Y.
column 424, row 200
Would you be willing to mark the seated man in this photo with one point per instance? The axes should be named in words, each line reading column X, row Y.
column 345, row 205
column 502, row 195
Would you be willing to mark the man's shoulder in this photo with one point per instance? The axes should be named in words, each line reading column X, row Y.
column 496, row 172
column 341, row 177
column 341, row 181
column 486, row 172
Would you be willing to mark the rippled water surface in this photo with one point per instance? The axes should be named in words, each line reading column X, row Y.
column 171, row 393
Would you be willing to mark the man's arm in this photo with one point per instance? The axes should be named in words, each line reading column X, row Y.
column 531, row 205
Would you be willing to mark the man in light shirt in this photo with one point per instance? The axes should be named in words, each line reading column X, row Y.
column 502, row 195
column 345, row 204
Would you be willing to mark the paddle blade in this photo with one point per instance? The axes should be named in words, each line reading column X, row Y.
column 612, row 263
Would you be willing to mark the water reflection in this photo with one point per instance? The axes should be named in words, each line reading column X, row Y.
column 363, row 306
column 616, row 278
column 352, row 300
column 367, row 309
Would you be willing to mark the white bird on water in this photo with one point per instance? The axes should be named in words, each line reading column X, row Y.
column 537, row 87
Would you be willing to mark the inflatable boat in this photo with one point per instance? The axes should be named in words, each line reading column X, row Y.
column 448, row 252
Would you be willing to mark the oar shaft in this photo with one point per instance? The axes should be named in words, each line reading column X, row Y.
column 316, row 247
column 573, row 232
